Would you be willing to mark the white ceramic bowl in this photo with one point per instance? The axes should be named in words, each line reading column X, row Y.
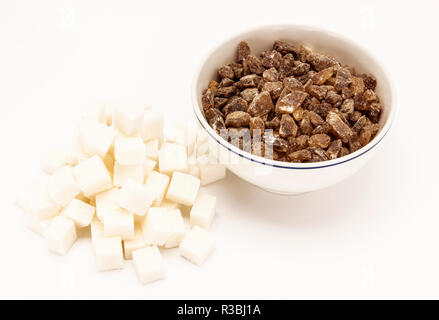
column 283, row 177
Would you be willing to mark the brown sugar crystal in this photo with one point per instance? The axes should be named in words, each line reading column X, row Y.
column 273, row 123
column 226, row 72
column 248, row 81
column 343, row 152
column 322, row 128
column 225, row 82
column 243, row 51
column 253, row 64
column 213, row 86
column 219, row 102
column 288, row 127
column 369, row 81
column 278, row 144
column 286, row 66
column 318, row 154
column 299, row 143
column 291, row 84
column 249, row 94
column 261, row 104
column 306, row 126
column 317, row 92
column 235, row 103
column 274, row 88
column 357, row 86
column 300, row 69
column 299, row 156
column 343, row 79
column 290, row 102
column 256, row 123
column 225, row 92
column 320, row 61
column 284, row 47
column 302, row 105
column 270, row 75
column 271, row 59
column 320, row 140
column 207, row 100
column 315, row 119
column 215, row 119
column 237, row 119
column 334, row 149
column 322, row 76
column 340, row 129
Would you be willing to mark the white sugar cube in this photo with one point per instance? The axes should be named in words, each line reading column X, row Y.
column 96, row 232
column 183, row 188
column 61, row 235
column 119, row 223
column 163, row 227
column 131, row 245
column 106, row 201
column 127, row 118
column 37, row 225
column 109, row 112
column 203, row 160
column 191, row 138
column 193, row 170
column 175, row 135
column 148, row 167
column 182, row 126
column 54, row 159
column 211, row 173
column 169, row 204
column 149, row 264
column 158, row 184
column 152, row 125
column 202, row 137
column 79, row 212
column 203, row 211
column 155, row 226
column 181, row 141
column 135, row 198
column 172, row 157
column 202, row 149
column 177, row 228
column 197, row 245
column 92, row 176
column 27, row 189
column 94, row 111
column 129, row 151
column 123, row 173
column 42, row 206
column 152, row 149
column 95, row 138
column 170, row 134
column 62, row 186
column 109, row 254
column 75, row 152
column 34, row 198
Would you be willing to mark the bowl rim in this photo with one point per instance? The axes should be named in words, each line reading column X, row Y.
column 292, row 165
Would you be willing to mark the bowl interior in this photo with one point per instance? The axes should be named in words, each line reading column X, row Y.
column 337, row 46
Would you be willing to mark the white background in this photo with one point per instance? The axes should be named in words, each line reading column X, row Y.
column 375, row 235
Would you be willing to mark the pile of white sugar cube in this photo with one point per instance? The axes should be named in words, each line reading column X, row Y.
column 126, row 177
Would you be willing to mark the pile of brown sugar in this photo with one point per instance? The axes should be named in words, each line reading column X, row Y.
column 315, row 108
